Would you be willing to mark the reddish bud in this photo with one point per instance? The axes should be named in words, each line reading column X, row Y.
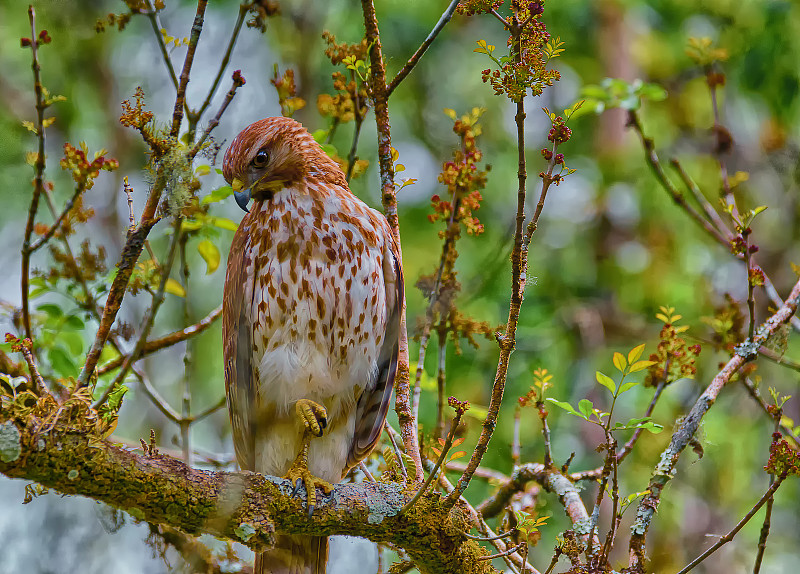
column 24, row 42
column 238, row 79
column 44, row 37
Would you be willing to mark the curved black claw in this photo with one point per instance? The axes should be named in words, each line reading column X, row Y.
column 297, row 486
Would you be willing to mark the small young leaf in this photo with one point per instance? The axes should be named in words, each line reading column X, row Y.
column 175, row 288
column 640, row 366
column 606, row 381
column 635, row 353
column 586, row 407
column 564, row 405
column 210, row 254
column 52, row 310
column 619, row 361
column 626, row 387
column 61, row 362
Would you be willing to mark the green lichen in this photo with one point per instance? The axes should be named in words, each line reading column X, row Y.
column 244, row 531
column 10, row 447
column 73, row 474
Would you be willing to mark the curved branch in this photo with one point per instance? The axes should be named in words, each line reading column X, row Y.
column 242, row 506
column 665, row 469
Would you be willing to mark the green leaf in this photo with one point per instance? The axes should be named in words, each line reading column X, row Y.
column 217, row 195
column 53, row 311
column 73, row 341
column 586, row 407
column 640, row 366
column 606, row 381
column 175, row 288
column 61, row 362
column 191, row 225
column 635, row 353
column 652, row 427
column 652, row 92
column 626, row 387
column 74, row 322
column 223, row 223
column 619, row 361
column 564, row 405
column 210, row 254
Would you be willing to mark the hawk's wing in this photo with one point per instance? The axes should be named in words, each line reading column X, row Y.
column 373, row 404
column 237, row 332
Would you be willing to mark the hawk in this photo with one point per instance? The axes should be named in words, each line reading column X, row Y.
column 310, row 321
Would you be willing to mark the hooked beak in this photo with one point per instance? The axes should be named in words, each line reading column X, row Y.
column 241, row 196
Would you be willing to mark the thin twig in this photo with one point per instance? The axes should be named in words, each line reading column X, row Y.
column 238, row 81
column 765, row 526
column 501, row 554
column 149, row 319
column 711, row 213
column 128, row 190
column 180, row 98
column 186, row 389
column 359, row 119
column 195, row 116
column 36, row 377
column 655, row 165
column 38, row 180
column 729, row 536
column 406, row 70
column 53, row 228
column 628, row 447
column 152, row 15
column 490, row 538
column 519, row 264
column 363, row 468
column 391, row 434
column 441, row 381
column 448, row 443
column 166, row 341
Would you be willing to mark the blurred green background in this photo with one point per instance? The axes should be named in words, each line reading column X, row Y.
column 610, row 249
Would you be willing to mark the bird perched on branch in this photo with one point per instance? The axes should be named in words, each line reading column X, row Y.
column 311, row 316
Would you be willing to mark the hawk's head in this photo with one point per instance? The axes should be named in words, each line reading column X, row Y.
column 269, row 155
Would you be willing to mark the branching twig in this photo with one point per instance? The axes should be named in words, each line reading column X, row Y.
column 519, row 264
column 38, row 180
column 238, row 81
column 664, row 470
column 195, row 116
column 166, row 341
column 150, row 316
column 180, row 98
column 448, row 443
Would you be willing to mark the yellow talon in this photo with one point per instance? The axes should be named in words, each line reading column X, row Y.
column 314, row 417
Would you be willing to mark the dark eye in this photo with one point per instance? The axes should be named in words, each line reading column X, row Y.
column 261, row 159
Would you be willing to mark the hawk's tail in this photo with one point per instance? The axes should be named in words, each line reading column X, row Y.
column 294, row 555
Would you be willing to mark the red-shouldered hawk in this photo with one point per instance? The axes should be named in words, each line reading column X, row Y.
column 311, row 315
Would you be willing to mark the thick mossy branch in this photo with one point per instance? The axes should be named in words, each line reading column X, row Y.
column 242, row 506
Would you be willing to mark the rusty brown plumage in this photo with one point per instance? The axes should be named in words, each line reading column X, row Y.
column 311, row 313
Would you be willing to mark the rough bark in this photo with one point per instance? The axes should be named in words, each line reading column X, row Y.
column 242, row 506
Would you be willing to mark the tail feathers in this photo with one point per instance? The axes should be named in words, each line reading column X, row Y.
column 294, row 555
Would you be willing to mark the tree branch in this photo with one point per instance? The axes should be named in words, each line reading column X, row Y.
column 665, row 469
column 245, row 507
